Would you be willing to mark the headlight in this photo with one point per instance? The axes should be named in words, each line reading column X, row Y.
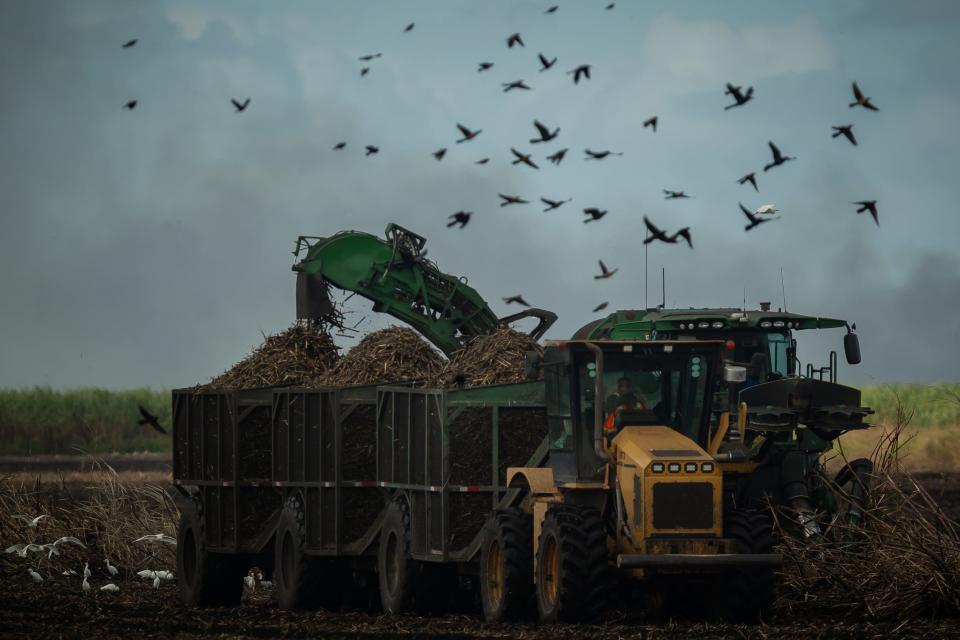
column 673, row 467
column 717, row 325
column 690, row 467
column 764, row 324
column 703, row 325
column 778, row 324
column 707, row 467
column 657, row 467
column 682, row 326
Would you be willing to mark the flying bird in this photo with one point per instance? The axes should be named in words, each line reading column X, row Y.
column 654, row 232
column 147, row 418
column 484, row 66
column 554, row 204
column 467, row 133
column 594, row 214
column 778, row 158
column 518, row 299
column 516, row 84
column 581, row 71
column 673, row 195
column 544, row 63
column 461, row 218
column 599, row 155
column 514, row 39
column 339, row 145
column 844, row 130
column 651, row 122
column 408, row 28
column 240, row 106
column 369, row 57
column 482, row 161
column 52, row 547
column 557, row 157
column 600, row 307
column 868, row 205
column 545, row 134
column 364, row 71
column 439, row 153
column 512, row 200
column 610, row 6
column 30, row 522
column 860, row 99
column 131, row 105
column 371, row 150
column 767, row 209
column 751, row 178
column 552, row 9
column 604, row 272
column 685, row 234
column 156, row 537
column 755, row 220
column 740, row 98
column 524, row 158
column 129, row 43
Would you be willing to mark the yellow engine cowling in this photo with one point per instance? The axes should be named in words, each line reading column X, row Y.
column 670, row 491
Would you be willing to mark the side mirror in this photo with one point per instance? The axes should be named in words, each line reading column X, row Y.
column 851, row 348
column 532, row 365
column 734, row 374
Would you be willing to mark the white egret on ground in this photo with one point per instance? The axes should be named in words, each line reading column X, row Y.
column 36, row 576
column 156, row 582
column 112, row 570
column 146, row 573
column 86, row 571
column 165, row 575
column 112, row 588
column 85, row 586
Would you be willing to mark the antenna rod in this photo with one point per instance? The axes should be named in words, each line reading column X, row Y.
column 783, row 290
column 646, row 281
column 663, row 286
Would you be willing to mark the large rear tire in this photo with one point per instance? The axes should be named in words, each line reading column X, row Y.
column 301, row 581
column 573, row 576
column 506, row 566
column 749, row 593
column 397, row 570
column 205, row 579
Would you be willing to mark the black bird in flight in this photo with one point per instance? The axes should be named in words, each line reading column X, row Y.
column 518, row 299
column 755, row 220
column 656, row 233
column 131, row 105
column 467, row 133
column 524, row 158
column 604, row 272
column 461, row 218
column 610, row 6
column 240, row 106
column 484, row 66
column 860, row 99
column 482, row 161
column 408, row 28
column 439, row 153
column 778, row 158
column 554, row 204
column 582, row 70
column 557, row 158
column 339, row 145
column 544, row 63
column 129, row 43
column 673, row 195
column 364, row 71
column 751, row 178
column 545, row 133
column 651, row 122
column 371, row 150
column 369, row 57
column 599, row 155
column 600, row 307
column 844, row 130
column 594, row 214
column 685, row 234
column 147, row 418
column 552, row 9
column 868, row 205
column 516, row 84
column 741, row 98
column 512, row 200
column 514, row 39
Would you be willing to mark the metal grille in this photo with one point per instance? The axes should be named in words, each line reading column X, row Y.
column 682, row 505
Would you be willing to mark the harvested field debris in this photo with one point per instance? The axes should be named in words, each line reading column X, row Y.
column 302, row 352
column 497, row 358
column 394, row 354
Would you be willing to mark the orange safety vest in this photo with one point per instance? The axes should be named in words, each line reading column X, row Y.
column 610, row 423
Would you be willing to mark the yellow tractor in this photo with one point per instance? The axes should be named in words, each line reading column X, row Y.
column 637, row 485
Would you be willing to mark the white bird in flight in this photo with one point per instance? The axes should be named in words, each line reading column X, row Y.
column 112, row 570
column 157, row 537
column 112, row 588
column 767, row 208
column 52, row 546
column 23, row 549
column 30, row 523
column 36, row 576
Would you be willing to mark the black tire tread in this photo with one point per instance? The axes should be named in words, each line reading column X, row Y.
column 514, row 528
column 749, row 592
column 219, row 580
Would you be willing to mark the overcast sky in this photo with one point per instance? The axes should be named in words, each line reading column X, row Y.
column 150, row 247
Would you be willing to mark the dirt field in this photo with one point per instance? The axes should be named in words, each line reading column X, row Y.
column 58, row 608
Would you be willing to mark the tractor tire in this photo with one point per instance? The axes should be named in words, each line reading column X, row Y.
column 205, row 579
column 748, row 592
column 573, row 576
column 399, row 573
column 853, row 482
column 301, row 581
column 506, row 566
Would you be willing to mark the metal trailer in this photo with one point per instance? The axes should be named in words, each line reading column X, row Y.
column 342, row 457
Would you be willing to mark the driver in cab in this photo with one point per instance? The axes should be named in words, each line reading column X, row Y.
column 624, row 399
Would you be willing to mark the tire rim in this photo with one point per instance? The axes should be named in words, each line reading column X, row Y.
column 549, row 582
column 189, row 556
column 286, row 560
column 494, row 575
column 392, row 562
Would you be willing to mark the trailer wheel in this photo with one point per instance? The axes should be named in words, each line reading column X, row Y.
column 573, row 576
column 398, row 571
column 749, row 592
column 205, row 579
column 300, row 581
column 506, row 565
